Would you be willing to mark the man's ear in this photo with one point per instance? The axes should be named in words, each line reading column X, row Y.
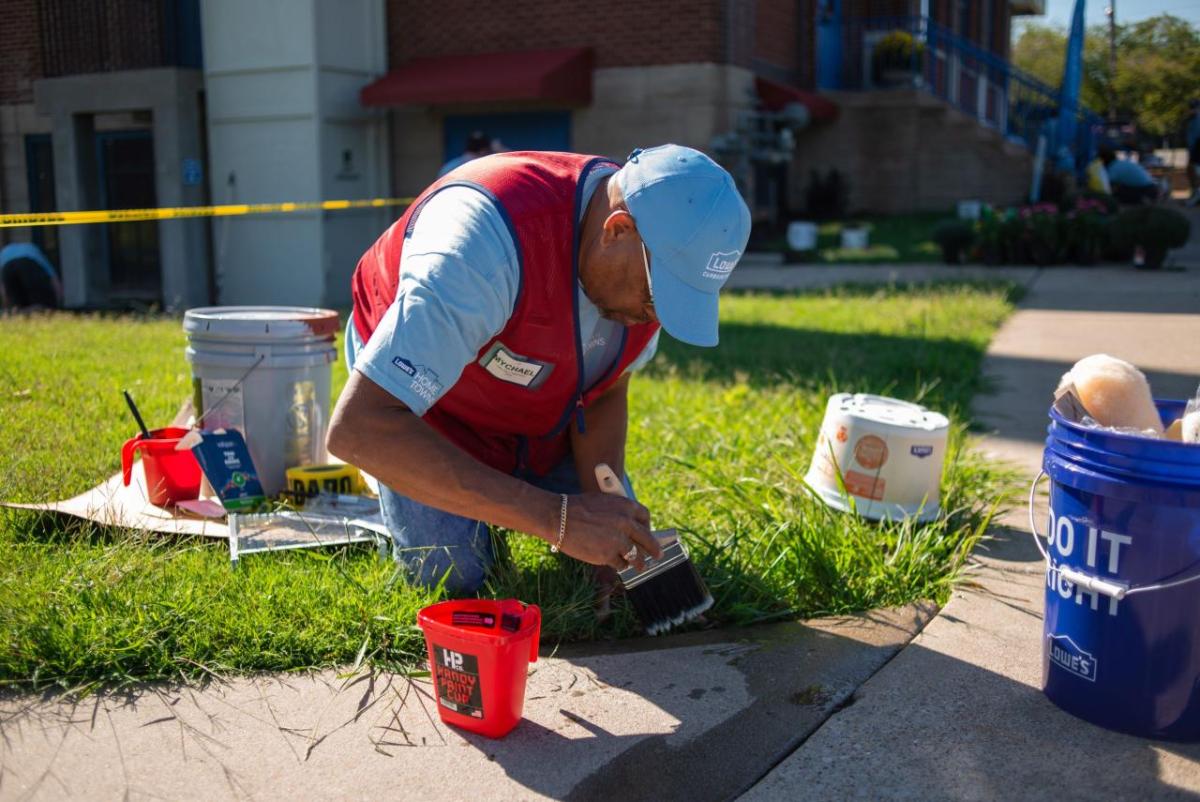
column 617, row 225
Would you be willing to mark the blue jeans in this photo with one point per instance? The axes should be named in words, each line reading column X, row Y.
column 431, row 542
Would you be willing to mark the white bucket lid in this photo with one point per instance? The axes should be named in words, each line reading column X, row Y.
column 260, row 323
column 888, row 411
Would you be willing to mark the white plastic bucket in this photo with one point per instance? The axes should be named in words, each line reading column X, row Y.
column 855, row 238
column 888, row 453
column 802, row 236
column 970, row 209
column 265, row 370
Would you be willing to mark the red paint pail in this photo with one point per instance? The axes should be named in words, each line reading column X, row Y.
column 479, row 656
column 171, row 475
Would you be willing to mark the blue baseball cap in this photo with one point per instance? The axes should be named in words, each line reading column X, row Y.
column 695, row 224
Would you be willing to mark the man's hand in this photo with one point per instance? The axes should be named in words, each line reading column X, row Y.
column 602, row 529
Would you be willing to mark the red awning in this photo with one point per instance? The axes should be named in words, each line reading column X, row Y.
column 775, row 96
column 562, row 76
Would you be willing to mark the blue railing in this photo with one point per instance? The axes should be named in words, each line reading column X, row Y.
column 963, row 74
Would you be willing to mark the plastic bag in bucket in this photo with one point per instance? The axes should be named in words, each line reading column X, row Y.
column 479, row 656
column 1121, row 638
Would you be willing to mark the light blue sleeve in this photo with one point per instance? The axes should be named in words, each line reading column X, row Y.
column 459, row 279
column 646, row 355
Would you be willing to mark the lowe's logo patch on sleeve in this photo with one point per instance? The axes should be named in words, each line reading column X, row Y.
column 921, row 452
column 405, row 365
column 1066, row 654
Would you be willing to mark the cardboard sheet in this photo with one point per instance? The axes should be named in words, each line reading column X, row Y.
column 111, row 503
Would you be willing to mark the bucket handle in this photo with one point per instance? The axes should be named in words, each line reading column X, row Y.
column 128, row 452
column 1094, row 584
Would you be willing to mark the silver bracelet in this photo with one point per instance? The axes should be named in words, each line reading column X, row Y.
column 562, row 525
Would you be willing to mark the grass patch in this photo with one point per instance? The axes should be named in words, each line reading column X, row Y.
column 719, row 441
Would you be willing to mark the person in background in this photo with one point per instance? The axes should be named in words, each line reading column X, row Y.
column 1131, row 183
column 1192, row 139
column 478, row 144
column 27, row 279
column 1097, row 177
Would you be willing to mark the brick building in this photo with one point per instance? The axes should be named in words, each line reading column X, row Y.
column 123, row 103
column 101, row 107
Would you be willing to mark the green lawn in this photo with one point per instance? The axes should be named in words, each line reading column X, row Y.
column 719, row 441
column 894, row 239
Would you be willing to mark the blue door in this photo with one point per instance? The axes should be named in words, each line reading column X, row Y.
column 829, row 44
column 126, row 178
column 535, row 130
column 39, row 166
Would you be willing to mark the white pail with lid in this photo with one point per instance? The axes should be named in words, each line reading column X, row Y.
column 802, row 236
column 888, row 453
column 265, row 370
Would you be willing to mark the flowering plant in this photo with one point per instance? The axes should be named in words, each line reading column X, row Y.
column 1041, row 232
column 1085, row 230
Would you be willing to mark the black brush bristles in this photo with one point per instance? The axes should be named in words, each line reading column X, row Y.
column 670, row 591
column 669, row 599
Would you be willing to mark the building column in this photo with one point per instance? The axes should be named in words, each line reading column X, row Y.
column 84, row 282
column 183, row 244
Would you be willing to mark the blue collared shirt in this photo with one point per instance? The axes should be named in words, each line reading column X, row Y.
column 459, row 279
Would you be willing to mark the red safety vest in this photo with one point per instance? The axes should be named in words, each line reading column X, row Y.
column 511, row 407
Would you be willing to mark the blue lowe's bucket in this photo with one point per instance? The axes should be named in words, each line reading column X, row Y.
column 1121, row 643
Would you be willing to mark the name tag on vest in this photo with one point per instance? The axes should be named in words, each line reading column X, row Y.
column 514, row 369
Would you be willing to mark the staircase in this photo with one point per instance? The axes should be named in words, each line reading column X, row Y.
column 953, row 122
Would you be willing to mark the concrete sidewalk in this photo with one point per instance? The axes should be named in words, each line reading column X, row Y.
column 698, row 716
column 959, row 714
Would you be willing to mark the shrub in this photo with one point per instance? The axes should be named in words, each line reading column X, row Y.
column 1075, row 199
column 1085, row 229
column 1155, row 229
column 897, row 50
column 955, row 238
column 1041, row 233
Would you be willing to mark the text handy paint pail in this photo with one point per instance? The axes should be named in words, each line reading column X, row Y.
column 479, row 656
column 265, row 370
column 1121, row 638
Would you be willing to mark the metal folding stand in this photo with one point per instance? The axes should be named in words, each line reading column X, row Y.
column 299, row 529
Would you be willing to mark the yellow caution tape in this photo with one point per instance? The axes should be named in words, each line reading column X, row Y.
column 306, row 481
column 181, row 212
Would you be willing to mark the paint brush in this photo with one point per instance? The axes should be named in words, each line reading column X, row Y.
column 669, row 591
column 137, row 416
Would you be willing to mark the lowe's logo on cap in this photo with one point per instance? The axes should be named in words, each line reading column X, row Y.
column 694, row 224
column 720, row 265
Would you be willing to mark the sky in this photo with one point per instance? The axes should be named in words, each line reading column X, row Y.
column 1058, row 12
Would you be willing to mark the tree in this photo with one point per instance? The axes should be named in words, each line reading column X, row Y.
column 1158, row 72
column 1158, row 68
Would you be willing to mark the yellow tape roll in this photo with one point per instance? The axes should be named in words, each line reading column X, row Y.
column 306, row 481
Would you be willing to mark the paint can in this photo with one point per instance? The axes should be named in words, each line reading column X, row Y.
column 880, row 457
column 265, row 371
